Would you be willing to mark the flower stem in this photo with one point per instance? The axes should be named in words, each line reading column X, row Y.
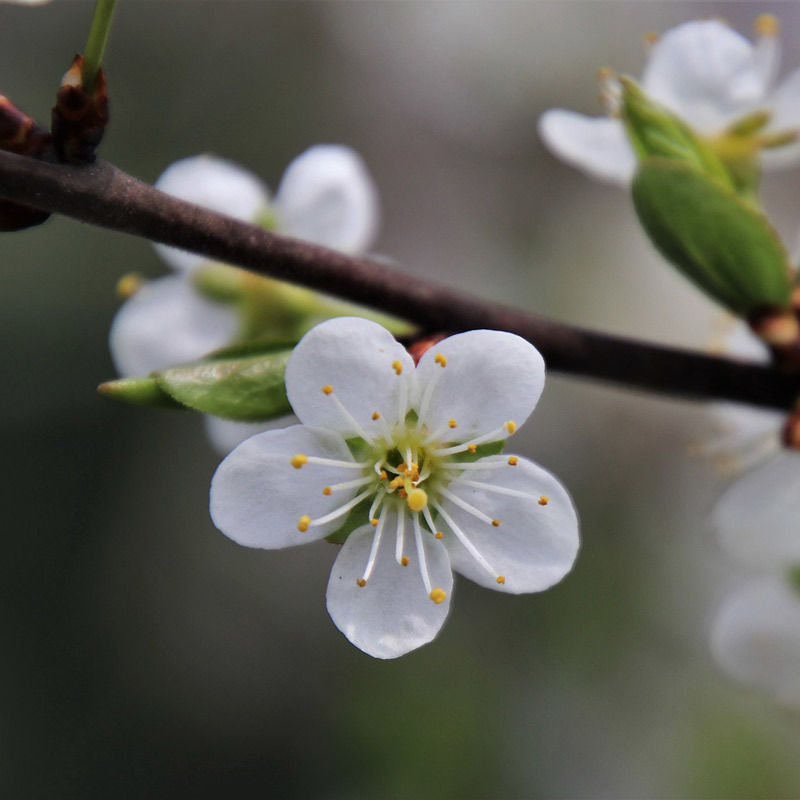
column 96, row 43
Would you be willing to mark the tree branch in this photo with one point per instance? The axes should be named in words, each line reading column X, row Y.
column 101, row 194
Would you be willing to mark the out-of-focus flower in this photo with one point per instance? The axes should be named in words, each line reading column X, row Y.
column 326, row 196
column 399, row 456
column 718, row 82
column 756, row 638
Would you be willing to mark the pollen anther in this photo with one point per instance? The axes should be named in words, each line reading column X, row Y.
column 544, row 500
column 404, row 561
column 473, row 448
column 326, row 491
column 375, row 415
column 512, row 461
column 327, row 389
column 495, row 523
column 438, row 595
column 501, row 579
column 439, row 535
column 303, row 523
column 510, row 426
column 374, row 522
column 452, row 424
column 361, row 583
column 397, row 366
column 299, row 461
column 441, row 359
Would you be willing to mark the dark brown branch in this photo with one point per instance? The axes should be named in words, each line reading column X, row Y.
column 101, row 194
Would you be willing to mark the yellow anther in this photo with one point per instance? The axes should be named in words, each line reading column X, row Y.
column 129, row 284
column 512, row 461
column 327, row 490
column 402, row 468
column 766, row 25
column 473, row 448
column 375, row 415
column 374, row 522
column 439, row 535
column 510, row 426
column 404, row 561
column 382, row 475
column 441, row 359
column 544, row 500
column 397, row 482
column 438, row 595
column 299, row 461
column 452, row 423
column 397, row 366
column 303, row 523
column 327, row 389
column 402, row 493
column 417, row 499
column 496, row 523
column 361, row 582
column 501, row 579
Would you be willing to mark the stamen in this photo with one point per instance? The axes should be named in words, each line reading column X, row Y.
column 298, row 461
column 348, row 416
column 327, row 490
column 462, row 537
column 510, row 426
column 376, row 503
column 373, row 522
column 400, row 537
column 483, row 464
column 544, row 500
column 332, row 462
column 397, row 366
column 468, row 507
column 438, row 595
column 404, row 562
column 373, row 552
column 327, row 389
column 490, row 487
column 503, row 432
column 339, row 511
column 452, row 424
column 440, row 359
column 512, row 461
column 361, row 583
column 375, row 415
column 501, row 579
column 303, row 523
column 337, row 487
column 423, row 565
column 496, row 523
column 426, row 399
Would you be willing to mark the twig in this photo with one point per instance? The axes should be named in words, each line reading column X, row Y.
column 101, row 194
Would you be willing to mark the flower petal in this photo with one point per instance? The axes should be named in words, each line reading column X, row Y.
column 327, row 196
column 392, row 614
column 213, row 183
column 536, row 542
column 596, row 145
column 258, row 497
column 756, row 519
column 226, row 434
column 359, row 359
column 785, row 118
column 168, row 322
column 756, row 639
column 490, row 377
column 706, row 73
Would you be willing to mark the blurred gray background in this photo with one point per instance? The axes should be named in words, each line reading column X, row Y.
column 146, row 655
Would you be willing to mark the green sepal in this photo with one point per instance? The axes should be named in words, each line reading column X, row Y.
column 655, row 132
column 138, row 392
column 716, row 239
column 248, row 389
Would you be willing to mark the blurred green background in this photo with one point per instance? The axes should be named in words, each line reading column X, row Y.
column 148, row 656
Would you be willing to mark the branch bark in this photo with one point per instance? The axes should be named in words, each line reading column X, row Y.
column 101, row 194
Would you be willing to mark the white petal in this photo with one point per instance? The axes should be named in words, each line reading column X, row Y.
column 596, row 145
column 327, row 197
column 356, row 358
column 226, row 434
column 706, row 73
column 490, row 377
column 533, row 547
column 785, row 117
column 757, row 519
column 756, row 639
column 213, row 183
column 393, row 613
column 168, row 322
column 257, row 496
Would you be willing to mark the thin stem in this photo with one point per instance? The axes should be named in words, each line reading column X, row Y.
column 96, row 43
column 100, row 194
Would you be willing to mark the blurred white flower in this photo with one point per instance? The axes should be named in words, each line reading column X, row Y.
column 326, row 196
column 398, row 446
column 756, row 638
column 707, row 74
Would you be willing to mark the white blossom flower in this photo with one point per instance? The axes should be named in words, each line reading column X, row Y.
column 326, row 196
column 756, row 638
column 707, row 74
column 399, row 447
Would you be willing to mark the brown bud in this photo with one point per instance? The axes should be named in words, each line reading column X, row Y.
column 779, row 329
column 79, row 118
column 421, row 346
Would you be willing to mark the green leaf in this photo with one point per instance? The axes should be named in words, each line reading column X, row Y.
column 138, row 392
column 717, row 240
column 247, row 389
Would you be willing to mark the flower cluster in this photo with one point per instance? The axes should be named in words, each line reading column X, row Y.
column 406, row 461
column 714, row 79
